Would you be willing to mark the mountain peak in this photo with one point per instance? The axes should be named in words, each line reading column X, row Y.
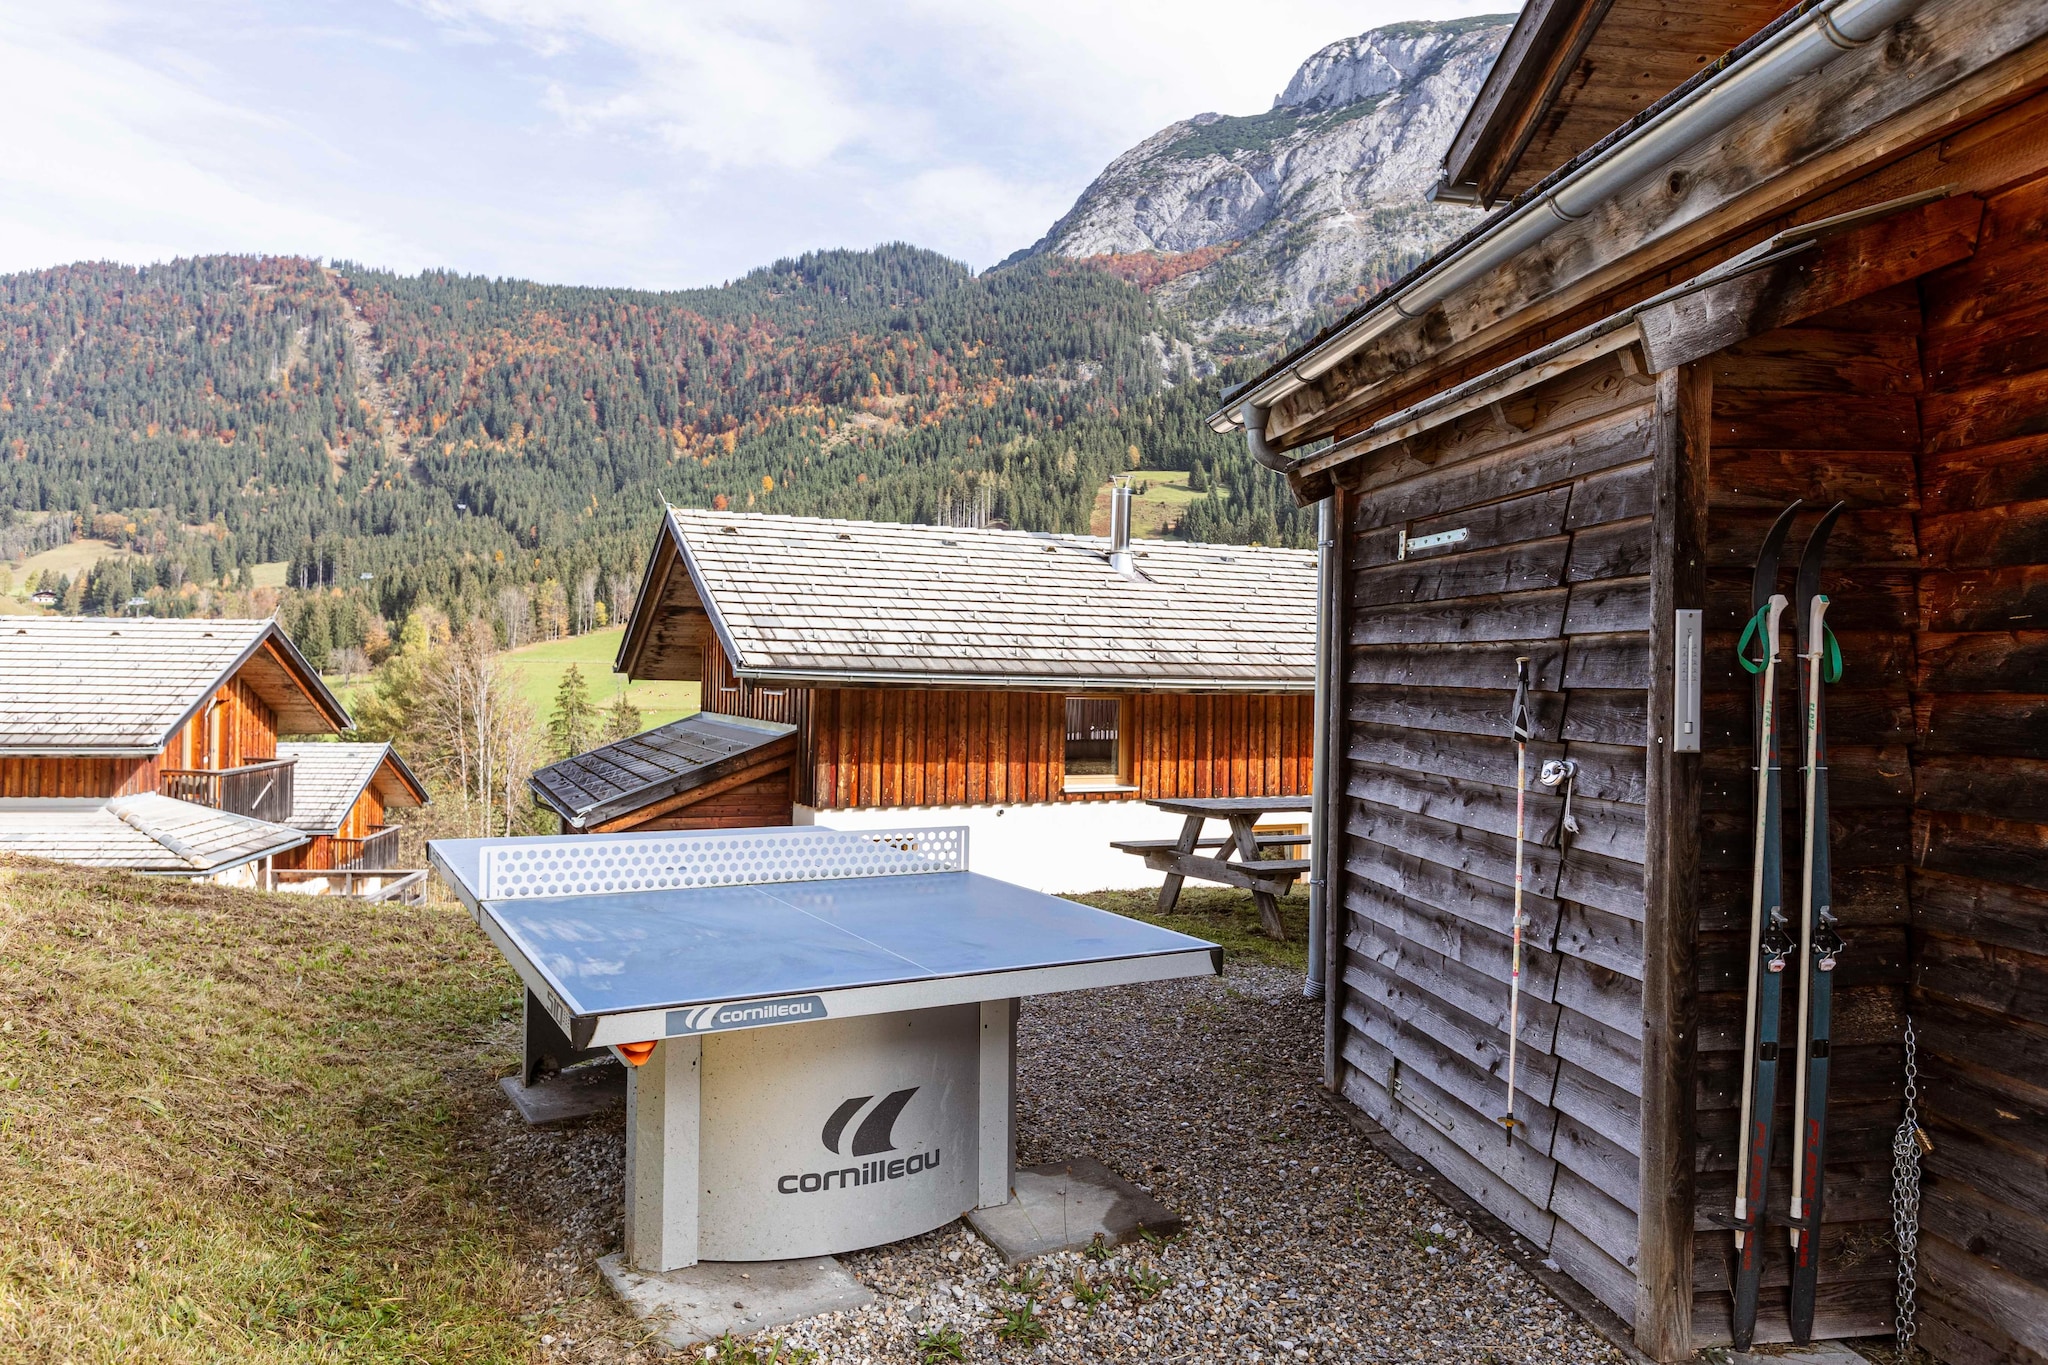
column 1250, row 228
column 1375, row 62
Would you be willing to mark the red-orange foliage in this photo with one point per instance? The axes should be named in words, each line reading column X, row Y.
column 1150, row 269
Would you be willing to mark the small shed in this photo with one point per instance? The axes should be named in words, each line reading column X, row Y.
column 1039, row 689
column 1815, row 270
column 705, row 771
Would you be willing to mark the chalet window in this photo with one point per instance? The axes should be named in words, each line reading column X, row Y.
column 1094, row 742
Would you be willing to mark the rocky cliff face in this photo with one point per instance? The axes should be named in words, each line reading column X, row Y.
column 1250, row 228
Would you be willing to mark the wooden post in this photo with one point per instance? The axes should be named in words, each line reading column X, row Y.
column 1663, row 1318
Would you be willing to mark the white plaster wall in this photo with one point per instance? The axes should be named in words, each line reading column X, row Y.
column 1055, row 848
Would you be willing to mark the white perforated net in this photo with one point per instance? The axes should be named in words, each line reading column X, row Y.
column 523, row 869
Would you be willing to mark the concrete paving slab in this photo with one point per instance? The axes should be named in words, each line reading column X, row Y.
column 581, row 1092
column 1068, row 1204
column 705, row 1301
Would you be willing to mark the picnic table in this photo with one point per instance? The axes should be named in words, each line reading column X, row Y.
column 1238, row 858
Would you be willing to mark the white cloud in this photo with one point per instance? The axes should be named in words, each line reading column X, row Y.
column 108, row 157
column 648, row 142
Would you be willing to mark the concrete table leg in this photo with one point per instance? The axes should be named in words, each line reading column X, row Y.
column 661, row 1156
column 998, row 1140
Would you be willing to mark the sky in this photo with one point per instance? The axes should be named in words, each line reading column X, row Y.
column 605, row 142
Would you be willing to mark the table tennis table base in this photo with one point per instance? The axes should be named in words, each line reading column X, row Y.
column 811, row 1139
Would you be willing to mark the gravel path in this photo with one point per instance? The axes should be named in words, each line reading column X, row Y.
column 1303, row 1242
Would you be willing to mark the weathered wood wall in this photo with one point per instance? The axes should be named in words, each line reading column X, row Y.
column 1822, row 411
column 1979, row 835
column 1553, row 489
column 932, row 747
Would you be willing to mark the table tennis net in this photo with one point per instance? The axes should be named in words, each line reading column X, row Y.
column 587, row 865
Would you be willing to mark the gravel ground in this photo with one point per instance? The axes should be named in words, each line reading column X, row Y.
column 1303, row 1242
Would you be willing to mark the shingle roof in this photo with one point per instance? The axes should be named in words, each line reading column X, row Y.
column 121, row 685
column 328, row 778
column 666, row 761
column 148, row 833
column 810, row 599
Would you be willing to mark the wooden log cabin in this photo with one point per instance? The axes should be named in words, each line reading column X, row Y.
column 1814, row 267
column 342, row 795
column 1038, row 689
column 153, row 745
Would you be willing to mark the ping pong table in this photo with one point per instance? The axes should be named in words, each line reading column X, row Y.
column 819, row 1025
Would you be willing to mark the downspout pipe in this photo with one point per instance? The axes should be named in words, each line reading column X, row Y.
column 1760, row 76
column 1254, row 418
column 1318, row 846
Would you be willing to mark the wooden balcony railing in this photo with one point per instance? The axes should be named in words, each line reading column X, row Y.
column 262, row 791
column 372, row 853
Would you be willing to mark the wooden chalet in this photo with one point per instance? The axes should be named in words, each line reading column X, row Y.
column 701, row 772
column 341, row 796
column 152, row 744
column 1036, row 688
column 1812, row 267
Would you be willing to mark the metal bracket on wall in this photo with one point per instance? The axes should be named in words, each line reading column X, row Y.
column 1437, row 541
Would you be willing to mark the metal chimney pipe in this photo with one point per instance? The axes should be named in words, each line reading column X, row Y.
column 1120, row 526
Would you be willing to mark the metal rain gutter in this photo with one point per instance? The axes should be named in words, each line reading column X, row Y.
column 1762, row 75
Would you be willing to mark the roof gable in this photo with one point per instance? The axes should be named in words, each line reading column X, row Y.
column 328, row 780
column 122, row 685
column 812, row 600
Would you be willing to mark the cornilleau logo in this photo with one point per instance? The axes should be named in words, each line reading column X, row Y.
column 876, row 1133
column 745, row 1014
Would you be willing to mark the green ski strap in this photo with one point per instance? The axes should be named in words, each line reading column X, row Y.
column 1831, row 665
column 1753, row 630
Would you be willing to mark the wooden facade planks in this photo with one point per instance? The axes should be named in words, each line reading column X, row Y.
column 1552, row 507
column 233, row 727
column 1978, row 878
column 904, row 747
column 1782, row 432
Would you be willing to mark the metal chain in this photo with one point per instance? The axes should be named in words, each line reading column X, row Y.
column 1908, row 1144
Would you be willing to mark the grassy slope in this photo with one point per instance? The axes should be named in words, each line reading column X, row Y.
column 541, row 668
column 72, row 558
column 1154, row 512
column 234, row 1130
column 251, row 1128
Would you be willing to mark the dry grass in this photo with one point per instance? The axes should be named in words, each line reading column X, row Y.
column 242, row 1127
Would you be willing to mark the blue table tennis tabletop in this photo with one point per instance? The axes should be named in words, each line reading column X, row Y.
column 622, row 952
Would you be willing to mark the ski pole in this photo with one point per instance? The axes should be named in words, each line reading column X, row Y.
column 1520, row 725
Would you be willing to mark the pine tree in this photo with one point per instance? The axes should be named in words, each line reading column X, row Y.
column 621, row 719
column 575, row 720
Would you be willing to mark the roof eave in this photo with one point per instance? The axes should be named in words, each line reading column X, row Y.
column 1018, row 682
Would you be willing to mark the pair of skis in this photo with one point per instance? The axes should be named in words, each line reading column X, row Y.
column 1770, row 945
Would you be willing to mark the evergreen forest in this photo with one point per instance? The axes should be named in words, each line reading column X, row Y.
column 439, row 439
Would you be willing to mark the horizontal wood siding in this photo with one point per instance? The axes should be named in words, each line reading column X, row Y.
column 1979, row 778
column 1822, row 411
column 1554, row 499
